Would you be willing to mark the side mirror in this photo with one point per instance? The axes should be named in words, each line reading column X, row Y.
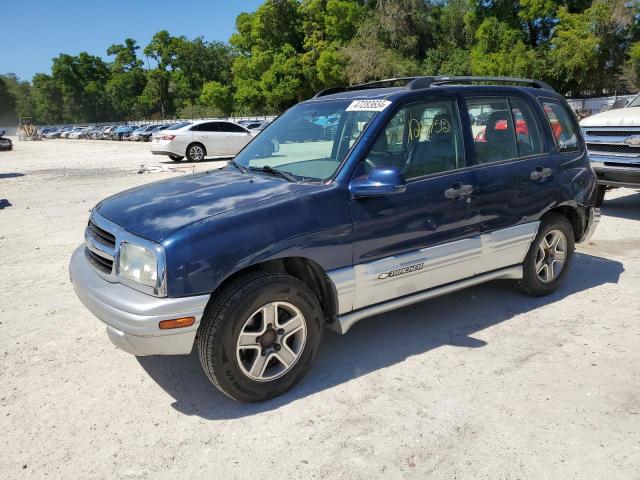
column 380, row 181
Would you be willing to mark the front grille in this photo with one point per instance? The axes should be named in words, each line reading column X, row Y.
column 624, row 165
column 103, row 264
column 100, row 244
column 615, row 149
column 106, row 238
column 611, row 133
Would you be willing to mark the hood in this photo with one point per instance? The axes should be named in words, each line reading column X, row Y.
column 627, row 117
column 156, row 210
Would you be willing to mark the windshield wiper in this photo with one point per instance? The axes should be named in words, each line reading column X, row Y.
column 276, row 172
column 238, row 166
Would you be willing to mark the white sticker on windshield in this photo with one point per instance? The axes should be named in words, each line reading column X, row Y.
column 368, row 105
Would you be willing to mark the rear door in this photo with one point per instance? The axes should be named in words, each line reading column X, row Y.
column 412, row 241
column 236, row 137
column 209, row 134
column 514, row 177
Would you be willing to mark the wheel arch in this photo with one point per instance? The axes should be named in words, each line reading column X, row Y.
column 304, row 269
column 576, row 216
column 195, row 142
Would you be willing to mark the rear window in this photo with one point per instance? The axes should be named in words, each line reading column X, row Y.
column 176, row 126
column 563, row 126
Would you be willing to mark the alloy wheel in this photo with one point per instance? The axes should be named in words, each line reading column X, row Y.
column 271, row 341
column 196, row 153
column 551, row 256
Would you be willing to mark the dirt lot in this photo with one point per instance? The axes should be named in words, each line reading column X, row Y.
column 485, row 383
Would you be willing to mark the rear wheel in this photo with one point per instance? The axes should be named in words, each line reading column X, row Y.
column 602, row 190
column 176, row 158
column 549, row 257
column 196, row 152
column 260, row 336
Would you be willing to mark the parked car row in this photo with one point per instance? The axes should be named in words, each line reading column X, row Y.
column 135, row 133
column 105, row 132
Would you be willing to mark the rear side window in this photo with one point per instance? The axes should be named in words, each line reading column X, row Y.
column 527, row 134
column 231, row 127
column 503, row 129
column 494, row 135
column 206, row 127
column 562, row 125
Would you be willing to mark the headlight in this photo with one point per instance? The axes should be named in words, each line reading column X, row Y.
column 138, row 264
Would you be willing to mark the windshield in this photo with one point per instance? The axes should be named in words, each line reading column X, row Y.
column 635, row 102
column 309, row 140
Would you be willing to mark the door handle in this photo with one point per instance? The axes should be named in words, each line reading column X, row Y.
column 540, row 173
column 458, row 190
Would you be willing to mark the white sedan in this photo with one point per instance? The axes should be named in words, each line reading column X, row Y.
column 197, row 140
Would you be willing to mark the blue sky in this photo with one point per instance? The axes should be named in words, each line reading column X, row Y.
column 32, row 32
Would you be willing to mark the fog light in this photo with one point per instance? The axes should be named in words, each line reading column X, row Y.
column 177, row 323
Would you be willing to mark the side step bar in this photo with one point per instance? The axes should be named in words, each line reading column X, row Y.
column 345, row 322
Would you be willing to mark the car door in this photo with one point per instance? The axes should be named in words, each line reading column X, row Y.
column 514, row 177
column 236, row 137
column 421, row 238
column 208, row 134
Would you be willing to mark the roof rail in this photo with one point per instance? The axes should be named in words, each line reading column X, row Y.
column 418, row 83
column 426, row 82
column 387, row 82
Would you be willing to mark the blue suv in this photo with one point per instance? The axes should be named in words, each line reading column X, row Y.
column 399, row 191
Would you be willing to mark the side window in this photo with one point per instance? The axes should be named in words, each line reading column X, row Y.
column 208, row 127
column 231, row 127
column 494, row 136
column 420, row 139
column 562, row 125
column 527, row 135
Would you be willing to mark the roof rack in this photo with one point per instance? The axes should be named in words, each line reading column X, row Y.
column 418, row 83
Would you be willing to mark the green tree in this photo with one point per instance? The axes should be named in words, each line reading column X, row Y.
column 82, row 80
column 7, row 104
column 47, row 99
column 20, row 90
column 216, row 95
column 156, row 92
column 127, row 80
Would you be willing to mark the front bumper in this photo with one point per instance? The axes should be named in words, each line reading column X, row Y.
column 131, row 316
column 616, row 171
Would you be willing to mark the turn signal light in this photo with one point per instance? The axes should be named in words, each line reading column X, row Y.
column 177, row 323
column 168, row 137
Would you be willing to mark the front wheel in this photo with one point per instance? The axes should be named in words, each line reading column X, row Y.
column 176, row 158
column 549, row 257
column 260, row 335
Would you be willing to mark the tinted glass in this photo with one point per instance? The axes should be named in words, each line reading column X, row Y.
column 230, row 127
column 527, row 134
column 494, row 136
column 562, row 125
column 207, row 127
column 420, row 139
column 309, row 140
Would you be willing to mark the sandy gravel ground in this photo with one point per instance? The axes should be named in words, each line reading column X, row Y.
column 481, row 384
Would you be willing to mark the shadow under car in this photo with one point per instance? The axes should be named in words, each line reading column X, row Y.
column 381, row 341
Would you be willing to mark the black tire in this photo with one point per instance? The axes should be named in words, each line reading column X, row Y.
column 531, row 283
column 196, row 152
column 224, row 320
column 176, row 158
column 602, row 190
